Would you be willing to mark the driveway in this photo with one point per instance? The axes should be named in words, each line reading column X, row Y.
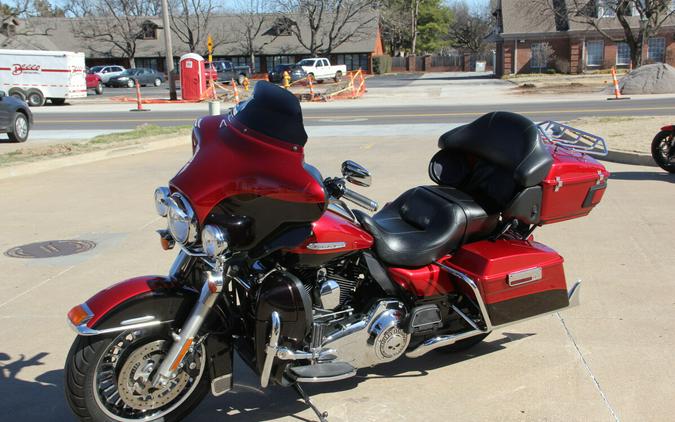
column 609, row 359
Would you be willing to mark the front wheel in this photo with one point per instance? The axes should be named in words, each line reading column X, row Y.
column 109, row 378
column 130, row 83
column 158, row 82
column 338, row 76
column 99, row 89
column 663, row 150
column 20, row 128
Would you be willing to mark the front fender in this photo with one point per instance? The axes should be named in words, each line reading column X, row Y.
column 134, row 303
column 669, row 128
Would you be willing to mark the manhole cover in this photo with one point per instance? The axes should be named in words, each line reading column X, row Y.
column 50, row 249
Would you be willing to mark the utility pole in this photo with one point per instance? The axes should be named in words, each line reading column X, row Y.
column 169, row 51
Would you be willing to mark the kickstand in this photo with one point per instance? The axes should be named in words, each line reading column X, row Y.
column 323, row 417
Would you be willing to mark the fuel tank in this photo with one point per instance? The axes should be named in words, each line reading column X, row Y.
column 333, row 236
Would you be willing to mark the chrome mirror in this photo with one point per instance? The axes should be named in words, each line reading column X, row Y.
column 356, row 173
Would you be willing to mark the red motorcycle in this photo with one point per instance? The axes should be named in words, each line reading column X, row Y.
column 663, row 148
column 275, row 266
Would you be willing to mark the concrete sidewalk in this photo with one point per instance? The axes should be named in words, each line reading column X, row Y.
column 610, row 359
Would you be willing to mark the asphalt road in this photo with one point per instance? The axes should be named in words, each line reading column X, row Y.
column 371, row 116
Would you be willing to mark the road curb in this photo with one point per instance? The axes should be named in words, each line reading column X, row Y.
column 90, row 157
column 633, row 158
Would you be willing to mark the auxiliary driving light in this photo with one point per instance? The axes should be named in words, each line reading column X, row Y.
column 161, row 196
column 214, row 240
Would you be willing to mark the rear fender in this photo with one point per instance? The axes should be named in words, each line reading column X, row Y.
column 669, row 128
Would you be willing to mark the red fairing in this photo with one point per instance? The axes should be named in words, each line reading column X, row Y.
column 668, row 128
column 490, row 264
column 232, row 160
column 425, row 281
column 575, row 184
column 332, row 228
column 106, row 300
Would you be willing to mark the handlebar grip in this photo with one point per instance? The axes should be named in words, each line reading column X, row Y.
column 359, row 199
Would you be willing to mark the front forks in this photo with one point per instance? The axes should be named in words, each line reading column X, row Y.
column 184, row 339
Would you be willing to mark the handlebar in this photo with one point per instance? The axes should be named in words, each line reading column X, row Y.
column 359, row 199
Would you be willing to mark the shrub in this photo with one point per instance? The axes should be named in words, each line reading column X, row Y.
column 381, row 64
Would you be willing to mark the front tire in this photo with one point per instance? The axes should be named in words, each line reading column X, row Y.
column 130, row 83
column 663, row 150
column 338, row 76
column 103, row 372
column 99, row 89
column 158, row 82
column 20, row 128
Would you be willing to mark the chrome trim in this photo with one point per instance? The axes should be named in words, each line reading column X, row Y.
column 329, row 294
column 183, row 212
column 355, row 173
column 573, row 294
column 139, row 320
column 285, row 353
column 524, row 276
column 216, row 383
column 339, row 207
column 271, row 350
column 181, row 265
column 327, row 379
column 440, row 341
column 161, row 201
column 241, row 282
column 83, row 330
column 215, row 240
column 474, row 288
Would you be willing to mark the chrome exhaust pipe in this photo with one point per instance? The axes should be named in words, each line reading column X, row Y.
column 440, row 341
column 573, row 294
column 271, row 350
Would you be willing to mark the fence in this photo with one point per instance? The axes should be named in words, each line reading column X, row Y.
column 454, row 62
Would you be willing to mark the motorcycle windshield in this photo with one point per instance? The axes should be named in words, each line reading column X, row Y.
column 251, row 163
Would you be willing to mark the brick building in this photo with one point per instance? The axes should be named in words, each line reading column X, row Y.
column 524, row 28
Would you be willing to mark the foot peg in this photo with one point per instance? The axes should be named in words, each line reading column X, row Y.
column 322, row 372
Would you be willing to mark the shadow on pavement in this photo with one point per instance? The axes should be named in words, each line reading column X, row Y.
column 247, row 402
column 28, row 401
column 662, row 176
column 458, row 78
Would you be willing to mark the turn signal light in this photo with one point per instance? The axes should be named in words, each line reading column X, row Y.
column 78, row 315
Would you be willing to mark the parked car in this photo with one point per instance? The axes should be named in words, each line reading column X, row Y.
column 209, row 73
column 321, row 69
column 108, row 72
column 15, row 118
column 94, row 82
column 142, row 75
column 276, row 75
column 227, row 71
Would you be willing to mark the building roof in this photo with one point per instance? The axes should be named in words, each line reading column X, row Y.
column 528, row 17
column 62, row 34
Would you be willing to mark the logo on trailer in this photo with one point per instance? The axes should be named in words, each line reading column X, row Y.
column 18, row 69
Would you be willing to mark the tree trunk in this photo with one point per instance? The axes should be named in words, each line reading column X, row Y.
column 132, row 62
column 252, row 61
column 414, row 12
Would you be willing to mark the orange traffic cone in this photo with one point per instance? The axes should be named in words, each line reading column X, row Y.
column 617, row 91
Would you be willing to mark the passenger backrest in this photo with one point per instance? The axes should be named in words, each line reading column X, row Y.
column 494, row 159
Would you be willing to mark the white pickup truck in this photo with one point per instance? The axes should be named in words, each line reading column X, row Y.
column 320, row 69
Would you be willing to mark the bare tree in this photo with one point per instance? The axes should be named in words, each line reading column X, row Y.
column 191, row 22
column 470, row 29
column 112, row 24
column 639, row 19
column 15, row 21
column 542, row 55
column 414, row 20
column 323, row 25
column 395, row 24
column 256, row 27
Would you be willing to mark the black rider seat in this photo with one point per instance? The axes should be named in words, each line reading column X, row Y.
column 426, row 223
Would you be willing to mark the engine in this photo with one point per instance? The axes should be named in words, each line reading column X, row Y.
column 329, row 288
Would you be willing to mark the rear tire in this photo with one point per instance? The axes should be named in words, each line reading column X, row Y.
column 58, row 101
column 35, row 98
column 338, row 76
column 99, row 89
column 158, row 82
column 82, row 375
column 131, row 83
column 663, row 150
column 240, row 79
column 20, row 128
column 17, row 93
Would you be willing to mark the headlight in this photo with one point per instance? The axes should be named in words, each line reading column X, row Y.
column 214, row 240
column 182, row 220
column 161, row 201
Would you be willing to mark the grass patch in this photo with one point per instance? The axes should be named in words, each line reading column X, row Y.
column 140, row 135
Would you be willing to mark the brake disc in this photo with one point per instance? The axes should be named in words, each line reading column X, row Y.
column 134, row 382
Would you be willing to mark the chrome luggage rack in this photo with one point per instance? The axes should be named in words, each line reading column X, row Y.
column 564, row 136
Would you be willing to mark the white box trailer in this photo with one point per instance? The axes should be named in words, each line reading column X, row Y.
column 37, row 75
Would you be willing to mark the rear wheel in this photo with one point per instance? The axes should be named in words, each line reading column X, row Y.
column 35, row 98
column 20, row 128
column 17, row 93
column 158, row 82
column 109, row 378
column 130, row 83
column 99, row 89
column 338, row 76
column 240, row 79
column 663, row 150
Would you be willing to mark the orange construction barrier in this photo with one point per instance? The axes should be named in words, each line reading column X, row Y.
column 139, row 100
column 236, row 92
column 311, row 89
column 617, row 91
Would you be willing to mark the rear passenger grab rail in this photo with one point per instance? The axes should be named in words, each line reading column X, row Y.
column 564, row 136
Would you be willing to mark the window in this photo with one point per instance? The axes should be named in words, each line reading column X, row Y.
column 656, row 50
column 606, row 8
column 622, row 54
column 539, row 56
column 149, row 31
column 273, row 61
column 149, row 63
column 353, row 61
column 594, row 52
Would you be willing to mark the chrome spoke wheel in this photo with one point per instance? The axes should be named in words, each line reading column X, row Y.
column 123, row 379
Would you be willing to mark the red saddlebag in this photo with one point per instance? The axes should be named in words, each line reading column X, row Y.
column 517, row 279
column 575, row 184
